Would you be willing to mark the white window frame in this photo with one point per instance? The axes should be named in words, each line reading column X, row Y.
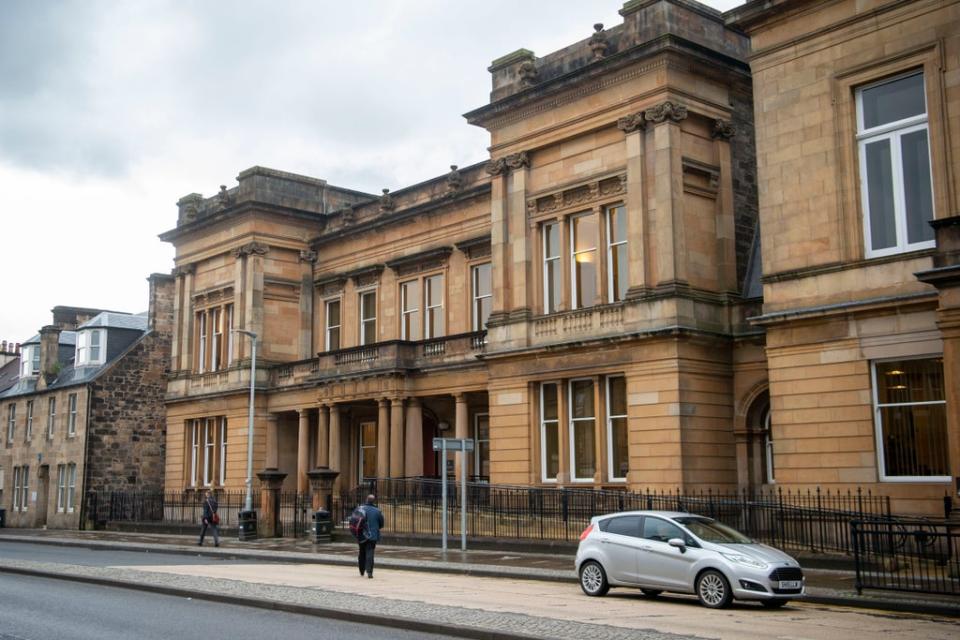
column 612, row 247
column 51, row 417
column 61, row 488
column 574, row 281
column 327, row 327
column 364, row 320
column 430, row 305
column 99, row 337
column 406, row 311
column 217, row 338
column 194, row 450
column 202, row 341
column 543, row 431
column 547, row 259
column 11, row 421
column 571, row 428
column 29, row 430
column 476, row 298
column 209, row 450
column 768, row 447
column 223, row 451
column 610, row 418
column 72, row 415
column 16, row 488
column 25, row 488
column 229, row 321
column 878, row 423
column 892, row 131
column 71, row 486
column 476, row 437
column 29, row 361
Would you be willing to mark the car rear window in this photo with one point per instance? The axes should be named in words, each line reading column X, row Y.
column 622, row 525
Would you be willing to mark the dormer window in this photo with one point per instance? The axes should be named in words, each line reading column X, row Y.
column 30, row 361
column 91, row 345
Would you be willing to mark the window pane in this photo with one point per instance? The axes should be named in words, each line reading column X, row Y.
column 618, row 396
column 584, row 450
column 482, row 311
column 916, row 185
column 618, row 224
column 618, row 272
column 910, row 381
column 915, row 440
column 584, row 233
column 624, row 526
column 582, row 391
column 333, row 313
column 586, row 293
column 551, row 444
column 435, row 290
column 883, row 233
column 369, row 304
column 369, row 332
column 620, row 464
column 553, row 286
column 549, row 402
column 552, row 240
column 893, row 101
column 481, row 280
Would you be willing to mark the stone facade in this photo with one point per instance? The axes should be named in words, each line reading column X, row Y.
column 79, row 426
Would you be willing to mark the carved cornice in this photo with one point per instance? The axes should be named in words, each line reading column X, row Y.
column 475, row 247
column 672, row 111
column 184, row 270
column 251, row 248
column 308, row 255
column 365, row 273
column 508, row 163
column 631, row 123
column 723, row 129
column 578, row 196
column 428, row 257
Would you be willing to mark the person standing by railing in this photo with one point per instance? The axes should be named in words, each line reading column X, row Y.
column 210, row 519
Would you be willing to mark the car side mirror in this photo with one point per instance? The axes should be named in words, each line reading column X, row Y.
column 678, row 543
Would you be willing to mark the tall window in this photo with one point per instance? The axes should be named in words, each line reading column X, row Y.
column 29, row 419
column 30, row 361
column 482, row 295
column 90, row 347
column 17, row 483
column 61, row 488
column 229, row 316
column 194, row 451
column 583, row 417
column 368, row 317
column 895, row 177
column 583, row 261
column 433, row 302
column 552, row 272
column 911, row 419
column 618, row 455
column 216, row 353
column 71, row 486
column 202, row 341
column 481, row 434
column 72, row 414
column 333, row 324
column 618, row 278
column 410, row 310
column 768, row 448
column 24, row 487
column 209, row 449
column 368, row 450
column 51, row 416
column 11, row 421
column 550, row 430
column 223, row 451
column 95, row 347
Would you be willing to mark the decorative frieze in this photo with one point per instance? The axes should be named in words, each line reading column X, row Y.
column 419, row 262
column 666, row 111
column 366, row 276
column 330, row 285
column 578, row 196
column 251, row 248
column 598, row 41
column 474, row 248
column 723, row 129
column 214, row 296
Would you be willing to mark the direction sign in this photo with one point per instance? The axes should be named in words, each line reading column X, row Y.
column 453, row 444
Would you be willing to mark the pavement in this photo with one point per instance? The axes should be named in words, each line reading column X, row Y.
column 477, row 594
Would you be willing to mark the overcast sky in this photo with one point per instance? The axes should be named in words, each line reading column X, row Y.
column 111, row 111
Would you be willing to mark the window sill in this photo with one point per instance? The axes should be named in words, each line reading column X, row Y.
column 916, row 479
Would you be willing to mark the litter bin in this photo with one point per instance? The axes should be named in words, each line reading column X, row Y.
column 322, row 526
column 247, row 523
column 3, row 518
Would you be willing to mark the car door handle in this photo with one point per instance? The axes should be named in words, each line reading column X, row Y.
column 646, row 547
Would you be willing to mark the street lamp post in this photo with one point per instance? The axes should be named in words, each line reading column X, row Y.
column 248, row 498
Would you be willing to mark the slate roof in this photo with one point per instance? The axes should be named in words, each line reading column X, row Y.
column 66, row 338
column 114, row 320
column 9, row 374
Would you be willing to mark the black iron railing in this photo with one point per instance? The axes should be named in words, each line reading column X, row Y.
column 922, row 556
column 158, row 507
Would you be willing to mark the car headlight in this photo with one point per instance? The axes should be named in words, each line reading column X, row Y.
column 747, row 561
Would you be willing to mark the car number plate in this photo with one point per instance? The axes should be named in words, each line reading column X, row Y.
column 790, row 584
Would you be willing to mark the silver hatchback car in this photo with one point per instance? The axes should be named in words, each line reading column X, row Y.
column 661, row 551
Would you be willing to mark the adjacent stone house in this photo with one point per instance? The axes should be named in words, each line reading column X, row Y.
column 86, row 411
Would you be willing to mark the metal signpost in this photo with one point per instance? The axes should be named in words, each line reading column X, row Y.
column 463, row 445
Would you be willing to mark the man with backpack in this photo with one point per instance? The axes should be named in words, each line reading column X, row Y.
column 365, row 524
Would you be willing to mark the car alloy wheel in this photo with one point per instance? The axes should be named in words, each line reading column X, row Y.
column 713, row 590
column 593, row 580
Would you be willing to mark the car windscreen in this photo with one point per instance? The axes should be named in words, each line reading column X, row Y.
column 712, row 531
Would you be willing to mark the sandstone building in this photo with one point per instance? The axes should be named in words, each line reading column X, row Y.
column 86, row 411
column 587, row 305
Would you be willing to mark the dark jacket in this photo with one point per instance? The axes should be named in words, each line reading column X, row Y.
column 374, row 523
column 210, row 507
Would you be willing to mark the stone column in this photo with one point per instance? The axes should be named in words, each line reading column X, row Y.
column 462, row 430
column 396, row 438
column 726, row 227
column 307, row 260
column 635, row 206
column 271, row 483
column 186, row 339
column 667, row 216
column 303, row 451
column 334, row 437
column 178, row 323
column 323, row 436
column 383, row 438
column 273, row 443
column 499, row 241
column 519, row 266
column 413, row 461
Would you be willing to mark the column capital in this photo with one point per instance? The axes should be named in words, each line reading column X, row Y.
column 633, row 122
column 251, row 248
column 383, row 402
column 666, row 112
column 413, row 401
column 723, row 129
column 460, row 397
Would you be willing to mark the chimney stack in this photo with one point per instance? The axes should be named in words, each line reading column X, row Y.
column 49, row 354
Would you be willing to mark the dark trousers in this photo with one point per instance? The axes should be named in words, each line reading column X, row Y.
column 365, row 560
column 216, row 532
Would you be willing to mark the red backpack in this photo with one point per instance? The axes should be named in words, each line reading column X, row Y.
column 358, row 523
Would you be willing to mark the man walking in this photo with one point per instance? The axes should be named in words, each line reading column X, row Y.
column 368, row 535
column 210, row 519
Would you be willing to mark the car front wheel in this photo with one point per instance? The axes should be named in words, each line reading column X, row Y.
column 713, row 590
column 593, row 579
